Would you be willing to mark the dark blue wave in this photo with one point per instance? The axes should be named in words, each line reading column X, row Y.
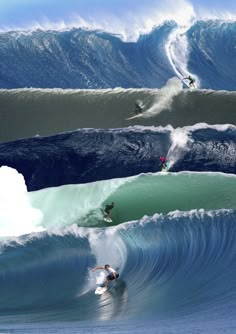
column 82, row 59
column 52, row 266
column 182, row 263
column 92, row 59
column 91, row 155
column 212, row 53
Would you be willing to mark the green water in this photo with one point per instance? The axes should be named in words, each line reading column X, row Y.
column 152, row 194
column 134, row 198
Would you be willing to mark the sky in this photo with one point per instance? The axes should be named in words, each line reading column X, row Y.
column 127, row 18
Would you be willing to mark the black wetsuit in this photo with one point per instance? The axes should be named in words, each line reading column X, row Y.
column 108, row 208
column 137, row 109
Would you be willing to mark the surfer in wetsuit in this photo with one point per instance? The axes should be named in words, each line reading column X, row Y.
column 137, row 109
column 108, row 209
column 111, row 273
column 191, row 81
column 163, row 163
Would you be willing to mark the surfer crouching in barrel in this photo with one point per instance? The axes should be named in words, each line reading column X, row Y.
column 111, row 273
column 108, row 209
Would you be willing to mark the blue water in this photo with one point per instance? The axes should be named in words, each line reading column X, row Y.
column 170, row 265
column 90, row 155
column 80, row 58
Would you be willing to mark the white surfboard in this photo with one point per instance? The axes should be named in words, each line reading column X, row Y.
column 108, row 220
column 100, row 290
column 164, row 170
column 135, row 116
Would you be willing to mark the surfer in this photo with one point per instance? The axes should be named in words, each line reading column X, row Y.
column 111, row 273
column 163, row 163
column 191, row 81
column 137, row 109
column 108, row 209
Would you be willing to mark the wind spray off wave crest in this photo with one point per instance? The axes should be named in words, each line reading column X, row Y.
column 164, row 98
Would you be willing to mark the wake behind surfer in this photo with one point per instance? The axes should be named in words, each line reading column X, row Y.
column 111, row 274
column 108, row 209
column 191, row 81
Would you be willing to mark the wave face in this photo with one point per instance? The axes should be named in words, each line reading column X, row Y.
column 170, row 266
column 90, row 155
column 30, row 112
column 92, row 59
column 213, row 53
column 82, row 59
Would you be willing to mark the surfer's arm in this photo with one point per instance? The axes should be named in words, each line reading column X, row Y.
column 99, row 267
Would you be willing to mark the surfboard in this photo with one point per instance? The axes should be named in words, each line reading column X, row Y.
column 164, row 170
column 108, row 220
column 135, row 116
column 100, row 290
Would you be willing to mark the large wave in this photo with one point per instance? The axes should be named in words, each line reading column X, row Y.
column 90, row 155
column 30, row 112
column 135, row 197
column 80, row 58
column 169, row 265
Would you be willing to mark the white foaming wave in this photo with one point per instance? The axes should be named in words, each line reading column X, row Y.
column 180, row 137
column 17, row 216
column 218, row 127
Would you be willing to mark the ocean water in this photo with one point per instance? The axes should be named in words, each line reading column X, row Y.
column 68, row 148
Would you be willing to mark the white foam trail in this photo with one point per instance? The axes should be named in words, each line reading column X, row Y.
column 177, row 52
column 108, row 248
column 17, row 216
column 164, row 98
column 179, row 138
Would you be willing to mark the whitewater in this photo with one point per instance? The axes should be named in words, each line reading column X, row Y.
column 68, row 147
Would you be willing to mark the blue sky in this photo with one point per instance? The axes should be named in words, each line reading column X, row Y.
column 127, row 17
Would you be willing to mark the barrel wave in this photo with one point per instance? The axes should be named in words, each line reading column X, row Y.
column 169, row 265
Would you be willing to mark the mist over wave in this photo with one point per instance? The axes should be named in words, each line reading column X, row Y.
column 80, row 58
